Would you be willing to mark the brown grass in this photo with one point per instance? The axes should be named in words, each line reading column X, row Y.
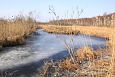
column 68, row 65
column 59, row 29
column 13, row 32
column 89, row 30
column 99, row 67
column 84, row 53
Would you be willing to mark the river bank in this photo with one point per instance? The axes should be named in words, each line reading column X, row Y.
column 87, row 63
column 108, row 63
column 104, row 32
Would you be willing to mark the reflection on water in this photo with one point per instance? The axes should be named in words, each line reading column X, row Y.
column 22, row 61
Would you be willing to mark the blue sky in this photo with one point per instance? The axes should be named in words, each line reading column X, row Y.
column 63, row 8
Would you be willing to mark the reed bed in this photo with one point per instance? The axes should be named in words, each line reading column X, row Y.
column 89, row 30
column 14, row 32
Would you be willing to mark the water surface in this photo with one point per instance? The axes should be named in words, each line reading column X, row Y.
column 24, row 60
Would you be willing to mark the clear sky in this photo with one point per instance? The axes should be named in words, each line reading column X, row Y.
column 63, row 8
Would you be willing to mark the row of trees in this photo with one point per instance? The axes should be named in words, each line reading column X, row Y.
column 105, row 20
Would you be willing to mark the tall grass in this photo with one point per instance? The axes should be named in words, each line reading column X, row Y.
column 14, row 31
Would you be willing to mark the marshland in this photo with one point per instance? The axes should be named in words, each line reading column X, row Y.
column 50, row 45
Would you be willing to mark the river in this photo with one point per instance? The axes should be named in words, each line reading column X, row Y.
column 25, row 60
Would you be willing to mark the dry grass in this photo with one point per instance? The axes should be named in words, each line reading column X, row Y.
column 98, row 66
column 13, row 32
column 89, row 30
column 85, row 53
column 59, row 29
column 68, row 65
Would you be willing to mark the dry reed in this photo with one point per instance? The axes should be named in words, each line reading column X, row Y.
column 13, row 32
